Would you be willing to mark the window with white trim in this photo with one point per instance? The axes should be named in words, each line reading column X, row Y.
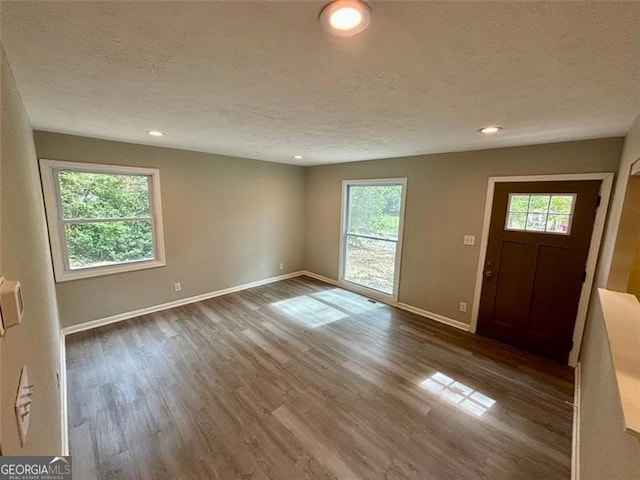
column 102, row 219
column 373, row 212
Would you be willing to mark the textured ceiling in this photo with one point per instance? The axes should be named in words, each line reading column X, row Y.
column 262, row 80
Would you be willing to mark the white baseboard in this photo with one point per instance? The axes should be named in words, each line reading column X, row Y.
column 409, row 308
column 176, row 303
column 575, row 438
column 433, row 316
column 328, row 280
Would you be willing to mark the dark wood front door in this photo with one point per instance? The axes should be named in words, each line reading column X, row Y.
column 537, row 251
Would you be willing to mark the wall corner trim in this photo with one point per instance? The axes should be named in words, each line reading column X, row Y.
column 575, row 442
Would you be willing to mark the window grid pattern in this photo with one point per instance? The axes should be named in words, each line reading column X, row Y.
column 542, row 213
column 102, row 219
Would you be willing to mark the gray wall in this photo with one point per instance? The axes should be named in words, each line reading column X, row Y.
column 227, row 221
column 606, row 451
column 24, row 256
column 445, row 200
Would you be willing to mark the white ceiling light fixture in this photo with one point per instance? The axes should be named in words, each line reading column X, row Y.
column 344, row 18
column 490, row 130
column 297, row 157
column 155, row 133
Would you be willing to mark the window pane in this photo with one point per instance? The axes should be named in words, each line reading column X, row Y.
column 540, row 213
column 536, row 221
column 517, row 221
column 519, row 203
column 374, row 210
column 561, row 204
column 370, row 263
column 539, row 203
column 558, row 223
column 106, row 243
column 103, row 195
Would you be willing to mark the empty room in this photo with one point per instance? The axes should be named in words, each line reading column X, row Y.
column 308, row 239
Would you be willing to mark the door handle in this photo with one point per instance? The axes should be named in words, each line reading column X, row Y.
column 488, row 274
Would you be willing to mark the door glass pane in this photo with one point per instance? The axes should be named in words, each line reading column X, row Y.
column 558, row 223
column 370, row 262
column 561, row 204
column 536, row 221
column 519, row 203
column 516, row 221
column 547, row 213
column 539, row 203
column 374, row 210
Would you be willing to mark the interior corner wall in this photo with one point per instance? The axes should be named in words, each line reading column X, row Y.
column 445, row 200
column 605, row 449
column 25, row 256
column 227, row 221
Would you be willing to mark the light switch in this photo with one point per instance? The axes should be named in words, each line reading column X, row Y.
column 23, row 405
column 469, row 239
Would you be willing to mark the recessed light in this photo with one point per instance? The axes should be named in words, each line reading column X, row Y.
column 490, row 130
column 297, row 157
column 155, row 133
column 344, row 18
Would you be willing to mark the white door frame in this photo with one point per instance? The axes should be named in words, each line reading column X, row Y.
column 369, row 292
column 592, row 258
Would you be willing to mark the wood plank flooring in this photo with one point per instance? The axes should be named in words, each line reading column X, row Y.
column 301, row 380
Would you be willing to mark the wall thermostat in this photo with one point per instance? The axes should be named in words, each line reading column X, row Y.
column 11, row 304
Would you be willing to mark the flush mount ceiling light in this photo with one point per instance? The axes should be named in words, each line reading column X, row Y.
column 490, row 130
column 155, row 133
column 344, row 18
column 297, row 157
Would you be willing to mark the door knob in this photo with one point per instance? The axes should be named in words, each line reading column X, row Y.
column 488, row 274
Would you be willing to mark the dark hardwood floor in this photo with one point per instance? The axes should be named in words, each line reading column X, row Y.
column 301, row 380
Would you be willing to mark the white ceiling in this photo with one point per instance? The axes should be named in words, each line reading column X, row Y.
column 262, row 79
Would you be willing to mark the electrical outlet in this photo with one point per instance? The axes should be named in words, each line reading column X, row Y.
column 282, row 266
column 469, row 240
column 177, row 287
column 463, row 306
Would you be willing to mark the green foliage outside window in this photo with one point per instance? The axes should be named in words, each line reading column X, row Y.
column 375, row 210
column 111, row 197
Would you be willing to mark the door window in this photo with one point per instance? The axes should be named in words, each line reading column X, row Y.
column 544, row 213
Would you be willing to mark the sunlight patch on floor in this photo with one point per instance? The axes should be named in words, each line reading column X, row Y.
column 313, row 313
column 347, row 301
column 459, row 394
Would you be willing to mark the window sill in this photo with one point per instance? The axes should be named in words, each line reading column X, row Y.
column 621, row 313
column 107, row 270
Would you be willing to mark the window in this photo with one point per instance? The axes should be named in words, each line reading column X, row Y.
column 372, row 231
column 103, row 219
column 544, row 213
